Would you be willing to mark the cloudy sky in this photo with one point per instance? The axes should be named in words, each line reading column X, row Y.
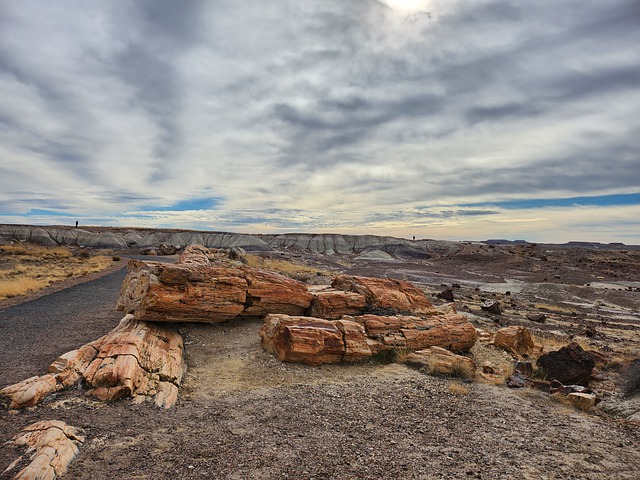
column 436, row 118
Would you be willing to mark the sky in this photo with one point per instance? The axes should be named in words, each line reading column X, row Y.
column 445, row 119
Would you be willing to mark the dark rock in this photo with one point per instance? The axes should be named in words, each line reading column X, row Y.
column 492, row 306
column 569, row 365
column 446, row 295
column 590, row 331
column 455, row 285
column 237, row 253
column 537, row 317
column 518, row 380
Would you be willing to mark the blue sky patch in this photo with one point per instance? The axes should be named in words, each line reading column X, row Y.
column 600, row 201
column 185, row 205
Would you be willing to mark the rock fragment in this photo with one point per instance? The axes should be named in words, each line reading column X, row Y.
column 514, row 339
column 440, row 361
column 135, row 358
column 52, row 446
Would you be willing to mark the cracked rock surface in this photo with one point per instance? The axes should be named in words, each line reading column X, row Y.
column 51, row 447
column 134, row 359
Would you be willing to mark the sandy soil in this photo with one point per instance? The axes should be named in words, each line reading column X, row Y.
column 242, row 414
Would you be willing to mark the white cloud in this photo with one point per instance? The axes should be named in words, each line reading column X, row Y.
column 319, row 115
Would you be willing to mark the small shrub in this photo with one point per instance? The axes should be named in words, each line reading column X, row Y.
column 83, row 253
column 115, row 258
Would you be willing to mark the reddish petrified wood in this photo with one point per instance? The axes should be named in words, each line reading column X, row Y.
column 315, row 341
column 387, row 294
column 453, row 332
column 334, row 304
column 195, row 291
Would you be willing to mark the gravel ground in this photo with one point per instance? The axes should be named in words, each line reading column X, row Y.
column 242, row 414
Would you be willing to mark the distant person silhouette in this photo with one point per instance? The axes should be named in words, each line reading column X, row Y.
column 414, row 237
column 77, row 224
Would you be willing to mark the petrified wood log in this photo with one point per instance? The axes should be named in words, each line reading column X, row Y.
column 314, row 341
column 52, row 446
column 453, row 332
column 439, row 361
column 135, row 358
column 387, row 294
column 193, row 290
column 334, row 304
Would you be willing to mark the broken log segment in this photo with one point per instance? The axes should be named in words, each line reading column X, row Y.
column 452, row 331
column 389, row 294
column 439, row 361
column 316, row 341
column 52, row 446
column 334, row 304
column 135, row 358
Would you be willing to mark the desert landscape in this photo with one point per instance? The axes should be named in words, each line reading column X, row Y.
column 318, row 356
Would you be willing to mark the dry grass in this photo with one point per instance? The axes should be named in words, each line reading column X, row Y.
column 545, row 307
column 294, row 270
column 25, row 268
column 458, row 388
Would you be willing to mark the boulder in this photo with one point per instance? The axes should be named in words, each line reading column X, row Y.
column 446, row 294
column 583, row 401
column 51, row 447
column 514, row 339
column 537, row 317
column 333, row 304
column 135, row 358
column 569, row 365
column 492, row 306
column 439, row 361
column 387, row 294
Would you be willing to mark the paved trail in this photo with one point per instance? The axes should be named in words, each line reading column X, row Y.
column 34, row 333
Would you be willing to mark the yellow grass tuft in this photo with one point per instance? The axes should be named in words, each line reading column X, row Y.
column 25, row 268
column 458, row 388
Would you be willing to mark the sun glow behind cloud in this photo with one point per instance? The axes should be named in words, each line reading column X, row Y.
column 481, row 119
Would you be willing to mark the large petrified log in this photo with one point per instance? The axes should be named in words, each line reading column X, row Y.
column 387, row 294
column 193, row 290
column 315, row 341
column 134, row 359
column 51, row 445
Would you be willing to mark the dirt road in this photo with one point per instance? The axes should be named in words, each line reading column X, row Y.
column 242, row 414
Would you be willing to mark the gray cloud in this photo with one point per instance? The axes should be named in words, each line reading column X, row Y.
column 315, row 107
